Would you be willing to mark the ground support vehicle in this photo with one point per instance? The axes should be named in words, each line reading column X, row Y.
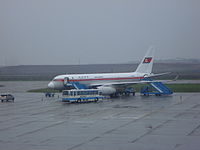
column 7, row 97
column 82, row 95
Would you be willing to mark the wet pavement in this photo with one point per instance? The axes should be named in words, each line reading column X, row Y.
column 33, row 122
column 24, row 86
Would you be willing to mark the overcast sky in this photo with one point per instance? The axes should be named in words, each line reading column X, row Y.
column 97, row 31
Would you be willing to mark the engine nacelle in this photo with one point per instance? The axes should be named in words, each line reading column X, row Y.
column 106, row 90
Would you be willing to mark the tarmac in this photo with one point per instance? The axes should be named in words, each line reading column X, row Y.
column 34, row 122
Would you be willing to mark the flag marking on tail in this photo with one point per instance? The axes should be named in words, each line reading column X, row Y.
column 147, row 59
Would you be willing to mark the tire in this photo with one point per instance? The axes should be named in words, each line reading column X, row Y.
column 78, row 100
column 96, row 100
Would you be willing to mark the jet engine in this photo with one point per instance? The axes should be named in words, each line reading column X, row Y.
column 106, row 90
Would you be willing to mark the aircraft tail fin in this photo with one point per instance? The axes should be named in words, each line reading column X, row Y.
column 146, row 64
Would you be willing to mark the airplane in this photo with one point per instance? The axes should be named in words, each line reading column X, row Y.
column 108, row 83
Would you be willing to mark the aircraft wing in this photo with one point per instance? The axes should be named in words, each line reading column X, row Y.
column 120, row 83
column 159, row 74
column 132, row 82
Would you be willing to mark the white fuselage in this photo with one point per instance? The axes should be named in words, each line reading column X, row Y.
column 60, row 82
column 144, row 69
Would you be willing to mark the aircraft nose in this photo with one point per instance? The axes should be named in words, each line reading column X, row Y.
column 51, row 85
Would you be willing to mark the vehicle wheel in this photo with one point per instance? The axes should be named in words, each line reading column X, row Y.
column 2, row 101
column 96, row 100
column 79, row 100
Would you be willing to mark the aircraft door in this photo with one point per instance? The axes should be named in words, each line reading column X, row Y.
column 66, row 80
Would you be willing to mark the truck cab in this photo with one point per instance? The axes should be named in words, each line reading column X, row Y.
column 7, row 97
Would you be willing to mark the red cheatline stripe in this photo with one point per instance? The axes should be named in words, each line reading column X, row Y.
column 75, row 80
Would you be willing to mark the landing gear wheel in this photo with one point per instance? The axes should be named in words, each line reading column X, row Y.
column 96, row 100
column 78, row 100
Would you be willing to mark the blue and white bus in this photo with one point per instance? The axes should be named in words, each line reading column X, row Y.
column 82, row 95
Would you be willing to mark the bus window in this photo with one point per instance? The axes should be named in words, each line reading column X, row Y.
column 65, row 92
column 83, row 92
